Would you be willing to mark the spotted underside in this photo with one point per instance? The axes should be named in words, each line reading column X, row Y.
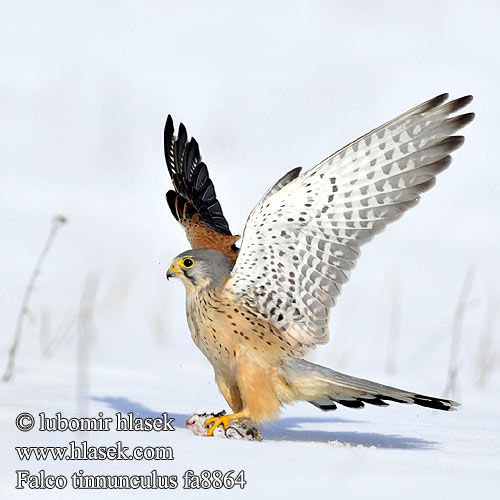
column 303, row 238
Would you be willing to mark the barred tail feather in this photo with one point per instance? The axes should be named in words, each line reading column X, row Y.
column 326, row 388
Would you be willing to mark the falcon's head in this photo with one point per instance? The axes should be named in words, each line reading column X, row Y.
column 200, row 268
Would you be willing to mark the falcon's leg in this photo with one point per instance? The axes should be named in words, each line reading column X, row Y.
column 256, row 382
column 229, row 389
column 251, row 395
column 224, row 420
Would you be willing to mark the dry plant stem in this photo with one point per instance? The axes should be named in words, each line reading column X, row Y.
column 486, row 355
column 57, row 222
column 115, row 297
column 45, row 331
column 85, row 330
column 456, row 334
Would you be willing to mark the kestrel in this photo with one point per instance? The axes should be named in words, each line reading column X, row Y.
column 255, row 311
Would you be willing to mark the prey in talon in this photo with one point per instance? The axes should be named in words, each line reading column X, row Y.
column 240, row 429
column 255, row 310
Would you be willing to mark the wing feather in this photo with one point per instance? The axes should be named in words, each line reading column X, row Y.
column 302, row 240
column 194, row 203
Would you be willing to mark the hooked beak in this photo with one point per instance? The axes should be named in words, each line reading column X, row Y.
column 172, row 272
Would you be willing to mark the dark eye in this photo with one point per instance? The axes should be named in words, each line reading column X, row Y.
column 187, row 263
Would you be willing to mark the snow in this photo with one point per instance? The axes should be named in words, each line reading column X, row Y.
column 84, row 91
column 383, row 452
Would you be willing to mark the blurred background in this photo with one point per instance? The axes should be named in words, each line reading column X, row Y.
column 85, row 88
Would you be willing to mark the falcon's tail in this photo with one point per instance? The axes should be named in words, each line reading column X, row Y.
column 324, row 388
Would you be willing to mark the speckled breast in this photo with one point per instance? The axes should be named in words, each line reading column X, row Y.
column 222, row 330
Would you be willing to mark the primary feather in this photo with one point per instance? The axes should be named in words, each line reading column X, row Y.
column 193, row 202
column 254, row 321
column 303, row 238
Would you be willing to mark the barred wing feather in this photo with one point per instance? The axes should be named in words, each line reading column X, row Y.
column 303, row 238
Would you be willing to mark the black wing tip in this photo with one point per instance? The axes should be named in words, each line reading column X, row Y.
column 466, row 99
column 194, row 143
column 440, row 98
column 435, row 403
column 451, row 106
column 182, row 130
column 458, row 104
column 168, row 139
column 460, row 121
column 466, row 118
column 194, row 190
column 168, row 134
column 169, row 123
column 171, row 198
column 434, row 102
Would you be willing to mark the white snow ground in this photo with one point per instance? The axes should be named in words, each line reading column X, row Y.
column 384, row 453
column 84, row 91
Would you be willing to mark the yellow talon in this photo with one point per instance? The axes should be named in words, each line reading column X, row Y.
column 224, row 420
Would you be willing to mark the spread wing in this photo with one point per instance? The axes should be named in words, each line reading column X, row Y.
column 194, row 203
column 301, row 241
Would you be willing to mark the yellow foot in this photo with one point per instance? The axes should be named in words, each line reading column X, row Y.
column 224, row 420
